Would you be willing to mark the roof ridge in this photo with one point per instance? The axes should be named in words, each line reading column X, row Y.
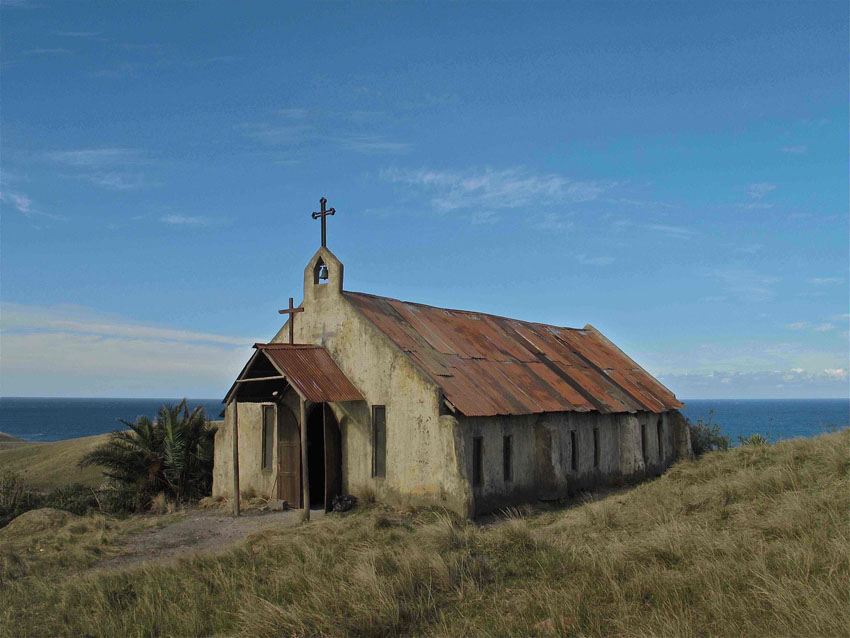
column 468, row 312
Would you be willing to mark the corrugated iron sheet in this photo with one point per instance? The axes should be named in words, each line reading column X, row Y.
column 311, row 371
column 488, row 365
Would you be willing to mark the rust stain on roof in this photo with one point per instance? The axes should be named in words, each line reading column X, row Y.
column 488, row 365
column 311, row 371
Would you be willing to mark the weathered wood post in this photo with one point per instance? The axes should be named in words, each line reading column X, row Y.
column 305, row 475
column 235, row 457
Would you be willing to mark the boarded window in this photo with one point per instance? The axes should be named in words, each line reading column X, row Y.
column 643, row 441
column 379, row 440
column 268, row 436
column 477, row 461
column 507, row 460
column 660, row 434
column 596, row 448
column 574, row 451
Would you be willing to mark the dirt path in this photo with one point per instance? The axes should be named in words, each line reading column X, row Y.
column 199, row 531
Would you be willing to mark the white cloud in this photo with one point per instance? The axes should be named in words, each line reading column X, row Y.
column 68, row 350
column 372, row 145
column 800, row 149
column 105, row 167
column 823, row 281
column 759, row 190
column 98, row 157
column 679, row 232
column 824, row 327
column 595, row 261
column 836, row 373
column 798, row 325
column 189, row 220
column 496, row 189
column 24, row 205
column 746, row 284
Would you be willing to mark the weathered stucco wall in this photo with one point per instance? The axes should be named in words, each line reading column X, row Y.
column 542, row 454
column 253, row 479
column 422, row 467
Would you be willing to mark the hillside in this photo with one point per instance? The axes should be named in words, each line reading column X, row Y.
column 50, row 464
column 754, row 541
column 7, row 441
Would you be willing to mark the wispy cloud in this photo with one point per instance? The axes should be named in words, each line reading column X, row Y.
column 825, row 281
column 759, row 190
column 110, row 168
column 494, row 189
column 800, row 149
column 77, row 34
column 189, row 220
column 746, row 285
column 298, row 127
column 46, row 51
column 674, row 231
column 72, row 350
column 98, row 157
column 372, row 145
column 601, row 260
column 24, row 205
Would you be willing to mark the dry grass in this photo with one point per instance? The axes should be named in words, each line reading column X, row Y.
column 750, row 542
column 47, row 465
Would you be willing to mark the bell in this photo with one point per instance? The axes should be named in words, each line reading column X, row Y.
column 323, row 272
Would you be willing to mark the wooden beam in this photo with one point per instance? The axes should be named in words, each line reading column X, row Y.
column 274, row 378
column 235, row 458
column 305, row 475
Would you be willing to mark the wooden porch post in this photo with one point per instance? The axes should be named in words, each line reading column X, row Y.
column 235, row 457
column 305, row 475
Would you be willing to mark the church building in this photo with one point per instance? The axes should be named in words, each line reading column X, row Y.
column 417, row 405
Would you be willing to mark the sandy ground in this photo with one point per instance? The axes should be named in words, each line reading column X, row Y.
column 199, row 531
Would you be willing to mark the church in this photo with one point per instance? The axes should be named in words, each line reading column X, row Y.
column 415, row 405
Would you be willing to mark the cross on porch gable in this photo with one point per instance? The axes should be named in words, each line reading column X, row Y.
column 291, row 311
column 323, row 214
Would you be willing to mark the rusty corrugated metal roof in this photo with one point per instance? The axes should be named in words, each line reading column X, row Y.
column 488, row 365
column 311, row 371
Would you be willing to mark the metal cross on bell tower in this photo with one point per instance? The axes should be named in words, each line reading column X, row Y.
column 323, row 214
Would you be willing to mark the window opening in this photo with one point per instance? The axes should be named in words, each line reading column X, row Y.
column 596, row 448
column 574, row 451
column 268, row 436
column 660, row 434
column 507, row 452
column 379, row 440
column 643, row 441
column 477, row 461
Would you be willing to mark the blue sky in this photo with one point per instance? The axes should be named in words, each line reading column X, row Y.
column 675, row 174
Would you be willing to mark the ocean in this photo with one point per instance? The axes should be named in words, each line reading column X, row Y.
column 55, row 419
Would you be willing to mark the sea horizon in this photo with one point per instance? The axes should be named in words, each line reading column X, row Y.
column 46, row 419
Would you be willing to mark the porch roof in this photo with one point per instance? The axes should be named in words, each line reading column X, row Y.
column 309, row 369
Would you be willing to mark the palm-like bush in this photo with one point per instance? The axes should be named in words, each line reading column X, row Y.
column 171, row 455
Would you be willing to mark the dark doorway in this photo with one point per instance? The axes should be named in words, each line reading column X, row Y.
column 316, row 455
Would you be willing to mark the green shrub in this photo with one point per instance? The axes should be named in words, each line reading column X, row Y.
column 706, row 436
column 172, row 455
column 16, row 496
column 754, row 440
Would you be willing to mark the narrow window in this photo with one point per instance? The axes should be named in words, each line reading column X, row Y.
column 379, row 440
column 268, row 436
column 643, row 441
column 477, row 461
column 506, row 459
column 574, row 451
column 660, row 433
column 596, row 448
